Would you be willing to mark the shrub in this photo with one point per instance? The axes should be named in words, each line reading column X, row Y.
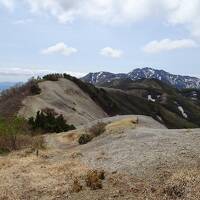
column 84, row 139
column 52, row 77
column 175, row 191
column 94, row 131
column 11, row 99
column 97, row 129
column 94, row 179
column 35, row 89
column 15, row 135
column 4, row 151
column 49, row 121
column 77, row 187
column 9, row 130
column 38, row 142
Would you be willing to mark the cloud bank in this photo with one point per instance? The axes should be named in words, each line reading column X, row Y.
column 30, row 72
column 174, row 12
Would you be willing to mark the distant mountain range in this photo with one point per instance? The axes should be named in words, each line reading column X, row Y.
column 6, row 85
column 180, row 82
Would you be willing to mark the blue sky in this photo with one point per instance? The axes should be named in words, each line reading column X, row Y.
column 77, row 37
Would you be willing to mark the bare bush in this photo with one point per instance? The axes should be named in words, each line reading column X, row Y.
column 53, row 77
column 94, row 179
column 11, row 99
column 76, row 187
column 10, row 143
column 84, row 139
column 97, row 129
column 15, row 134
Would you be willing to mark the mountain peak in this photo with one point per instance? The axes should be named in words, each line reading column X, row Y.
column 178, row 81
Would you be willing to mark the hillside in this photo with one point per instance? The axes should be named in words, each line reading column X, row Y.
column 146, row 161
column 176, row 108
column 81, row 102
column 178, row 81
column 66, row 98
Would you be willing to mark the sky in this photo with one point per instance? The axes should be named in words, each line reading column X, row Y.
column 77, row 37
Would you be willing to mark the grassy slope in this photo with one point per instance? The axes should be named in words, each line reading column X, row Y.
column 132, row 102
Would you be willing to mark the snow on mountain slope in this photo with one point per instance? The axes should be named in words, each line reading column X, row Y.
column 145, row 73
column 101, row 77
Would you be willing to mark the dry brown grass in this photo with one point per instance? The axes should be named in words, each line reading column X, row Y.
column 17, row 142
column 183, row 184
column 39, row 178
column 76, row 187
column 94, row 131
column 127, row 123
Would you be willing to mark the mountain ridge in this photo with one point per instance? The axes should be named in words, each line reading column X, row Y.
column 80, row 102
column 178, row 81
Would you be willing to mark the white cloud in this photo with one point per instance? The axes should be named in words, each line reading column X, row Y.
column 168, row 45
column 110, row 52
column 60, row 48
column 9, row 4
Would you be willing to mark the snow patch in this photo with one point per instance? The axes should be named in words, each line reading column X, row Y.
column 151, row 99
column 182, row 111
column 159, row 117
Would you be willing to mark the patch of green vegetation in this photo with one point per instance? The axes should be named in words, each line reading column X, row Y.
column 49, row 122
column 35, row 89
column 4, row 151
column 11, row 99
column 84, row 139
column 14, row 134
column 52, row 77
column 173, row 121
